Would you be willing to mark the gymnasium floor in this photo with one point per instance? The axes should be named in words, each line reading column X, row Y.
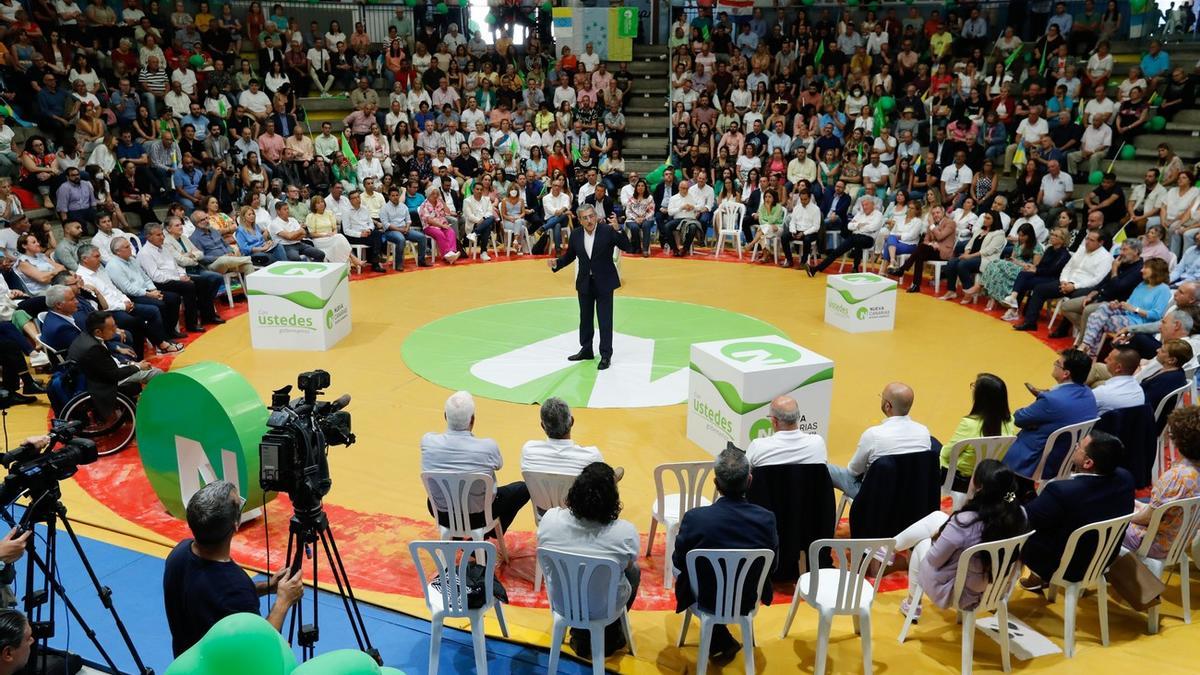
column 377, row 502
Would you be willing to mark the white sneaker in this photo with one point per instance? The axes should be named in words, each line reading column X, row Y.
column 39, row 359
column 1011, row 315
column 451, row 257
column 484, row 256
column 1010, row 301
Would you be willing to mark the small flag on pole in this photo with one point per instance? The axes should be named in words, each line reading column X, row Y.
column 347, row 151
column 1013, row 57
column 820, row 54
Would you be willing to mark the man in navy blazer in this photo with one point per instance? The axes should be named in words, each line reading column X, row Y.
column 835, row 207
column 595, row 280
column 1069, row 402
column 731, row 522
column 1098, row 490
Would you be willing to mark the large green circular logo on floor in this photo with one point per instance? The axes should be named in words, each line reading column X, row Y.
column 518, row 351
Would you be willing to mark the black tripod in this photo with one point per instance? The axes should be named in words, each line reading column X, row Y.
column 47, row 508
column 307, row 527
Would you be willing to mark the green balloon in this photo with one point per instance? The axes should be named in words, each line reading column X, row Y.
column 440, row 8
column 888, row 103
column 1157, row 123
column 1138, row 6
column 239, row 644
column 464, row 3
column 473, row 25
column 852, row 3
column 1128, row 152
column 411, row 3
column 547, row 6
column 808, row 3
column 195, row 60
column 490, row 19
column 341, row 662
column 1095, row 177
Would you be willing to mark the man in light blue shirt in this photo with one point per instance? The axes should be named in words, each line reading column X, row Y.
column 198, row 120
column 1061, row 19
column 398, row 229
column 1188, row 268
column 1155, row 62
column 128, row 276
column 188, row 184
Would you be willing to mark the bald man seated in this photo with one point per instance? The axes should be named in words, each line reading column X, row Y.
column 898, row 434
column 788, row 444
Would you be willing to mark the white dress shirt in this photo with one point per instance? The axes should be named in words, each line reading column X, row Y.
column 558, row 455
column 787, row 446
column 589, row 241
column 897, row 435
column 103, row 242
column 1086, row 270
column 159, row 264
column 278, row 225
column 1039, row 228
column 338, row 207
column 476, row 209
column 357, row 222
column 99, row 280
column 867, row 223
column 955, row 177
column 805, row 219
column 1120, row 391
column 551, row 204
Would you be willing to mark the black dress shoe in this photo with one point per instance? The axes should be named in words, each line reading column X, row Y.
column 1061, row 333
column 376, row 267
column 32, row 386
column 581, row 355
column 811, row 272
column 915, row 288
column 1025, row 326
column 605, row 361
column 195, row 329
column 215, row 320
column 14, row 398
column 175, row 335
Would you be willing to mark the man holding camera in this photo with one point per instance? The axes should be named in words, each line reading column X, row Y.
column 201, row 582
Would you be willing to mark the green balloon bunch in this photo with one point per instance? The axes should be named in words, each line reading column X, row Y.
column 245, row 644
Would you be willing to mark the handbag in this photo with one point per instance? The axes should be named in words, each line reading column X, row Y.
column 1131, row 579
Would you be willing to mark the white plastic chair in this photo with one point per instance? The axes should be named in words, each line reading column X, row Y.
column 937, row 274
column 768, row 245
column 844, row 589
column 1109, row 534
column 546, row 491
column 1177, row 552
column 570, row 580
column 728, row 221
column 1003, row 560
column 508, row 240
column 451, row 559
column 668, row 509
column 1076, row 432
column 1169, row 402
column 473, row 245
column 731, row 569
column 231, row 277
column 986, row 447
column 455, row 492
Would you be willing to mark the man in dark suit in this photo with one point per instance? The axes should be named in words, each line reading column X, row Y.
column 835, row 208
column 269, row 54
column 104, row 377
column 602, row 202
column 1068, row 402
column 1098, row 490
column 731, row 522
column 595, row 280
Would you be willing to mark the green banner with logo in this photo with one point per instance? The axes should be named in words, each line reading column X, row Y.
column 627, row 22
column 198, row 424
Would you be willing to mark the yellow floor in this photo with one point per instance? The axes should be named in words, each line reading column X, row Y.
column 937, row 347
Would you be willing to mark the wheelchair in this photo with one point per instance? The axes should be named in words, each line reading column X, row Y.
column 70, row 401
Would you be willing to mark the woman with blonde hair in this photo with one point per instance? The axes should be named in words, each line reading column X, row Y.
column 323, row 228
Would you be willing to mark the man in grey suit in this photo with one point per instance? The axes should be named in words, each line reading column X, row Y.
column 458, row 450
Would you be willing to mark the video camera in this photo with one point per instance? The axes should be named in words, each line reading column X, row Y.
column 35, row 471
column 293, row 454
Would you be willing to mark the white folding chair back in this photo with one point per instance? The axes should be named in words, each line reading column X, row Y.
column 451, row 560
column 1189, row 371
column 732, row 569
column 728, row 220
column 1168, row 403
column 1177, row 552
column 1002, row 559
column 453, row 491
column 546, row 491
column 1075, row 432
column 231, row 277
column 668, row 509
column 1109, row 534
column 986, row 447
column 572, row 582
column 844, row 589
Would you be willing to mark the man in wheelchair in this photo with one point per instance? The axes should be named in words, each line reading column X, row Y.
column 103, row 373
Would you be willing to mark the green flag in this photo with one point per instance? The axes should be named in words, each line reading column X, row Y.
column 1013, row 57
column 575, row 153
column 1042, row 68
column 347, row 151
column 819, row 55
column 705, row 33
column 627, row 23
column 880, row 119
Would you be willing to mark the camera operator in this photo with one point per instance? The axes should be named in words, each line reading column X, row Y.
column 16, row 641
column 202, row 584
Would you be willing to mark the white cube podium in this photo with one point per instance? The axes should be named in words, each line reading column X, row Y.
column 299, row 305
column 732, row 383
column 860, row 302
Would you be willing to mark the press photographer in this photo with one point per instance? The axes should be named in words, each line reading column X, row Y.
column 201, row 582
